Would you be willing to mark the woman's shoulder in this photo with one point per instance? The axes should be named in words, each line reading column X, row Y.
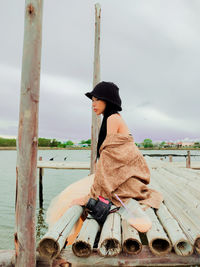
column 116, row 124
column 114, row 117
column 113, row 123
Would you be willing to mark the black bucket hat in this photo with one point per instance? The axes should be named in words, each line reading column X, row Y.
column 106, row 91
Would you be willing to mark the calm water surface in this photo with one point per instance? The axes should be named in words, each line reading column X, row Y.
column 54, row 182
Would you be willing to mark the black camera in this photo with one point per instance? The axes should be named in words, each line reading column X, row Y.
column 99, row 209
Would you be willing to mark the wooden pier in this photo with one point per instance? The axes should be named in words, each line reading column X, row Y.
column 173, row 240
column 178, row 218
column 180, row 188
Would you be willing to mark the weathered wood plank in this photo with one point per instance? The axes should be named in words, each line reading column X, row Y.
column 145, row 258
column 25, row 237
column 63, row 165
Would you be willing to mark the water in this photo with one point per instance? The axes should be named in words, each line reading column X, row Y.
column 54, row 181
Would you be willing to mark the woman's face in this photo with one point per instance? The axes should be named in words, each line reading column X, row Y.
column 98, row 105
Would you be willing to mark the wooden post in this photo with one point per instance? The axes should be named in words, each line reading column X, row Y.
column 170, row 158
column 188, row 160
column 26, row 170
column 96, row 120
column 40, row 186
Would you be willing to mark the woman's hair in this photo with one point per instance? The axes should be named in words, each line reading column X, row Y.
column 109, row 110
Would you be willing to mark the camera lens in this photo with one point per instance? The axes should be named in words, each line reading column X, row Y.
column 91, row 204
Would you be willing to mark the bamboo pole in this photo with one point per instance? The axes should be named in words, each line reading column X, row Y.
column 190, row 228
column 84, row 243
column 131, row 243
column 40, row 186
column 182, row 190
column 96, row 120
column 188, row 160
column 159, row 243
column 26, row 170
column 110, row 239
column 187, row 222
column 179, row 241
column 54, row 240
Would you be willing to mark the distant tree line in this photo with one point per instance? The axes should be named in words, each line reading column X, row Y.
column 7, row 142
column 44, row 142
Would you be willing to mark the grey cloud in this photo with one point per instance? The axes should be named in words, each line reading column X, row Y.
column 149, row 48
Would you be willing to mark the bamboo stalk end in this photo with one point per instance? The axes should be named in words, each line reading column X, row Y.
column 160, row 246
column 49, row 248
column 110, row 247
column 197, row 245
column 132, row 246
column 183, row 248
column 82, row 249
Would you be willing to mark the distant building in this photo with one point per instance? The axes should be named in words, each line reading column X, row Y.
column 169, row 144
column 187, row 144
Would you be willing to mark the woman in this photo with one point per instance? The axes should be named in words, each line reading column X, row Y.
column 121, row 168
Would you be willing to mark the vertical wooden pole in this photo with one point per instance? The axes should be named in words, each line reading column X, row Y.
column 96, row 120
column 40, row 186
column 25, row 237
column 188, row 160
column 170, row 158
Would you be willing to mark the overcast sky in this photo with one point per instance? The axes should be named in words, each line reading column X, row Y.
column 149, row 48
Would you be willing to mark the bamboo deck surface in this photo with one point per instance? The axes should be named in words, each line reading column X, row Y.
column 182, row 200
column 182, row 197
column 194, row 164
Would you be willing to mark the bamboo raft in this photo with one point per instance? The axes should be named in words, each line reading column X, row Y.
column 173, row 240
column 174, row 237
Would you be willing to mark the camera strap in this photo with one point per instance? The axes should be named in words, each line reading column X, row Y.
column 114, row 210
column 111, row 211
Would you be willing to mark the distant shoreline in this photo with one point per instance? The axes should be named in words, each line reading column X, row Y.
column 88, row 148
